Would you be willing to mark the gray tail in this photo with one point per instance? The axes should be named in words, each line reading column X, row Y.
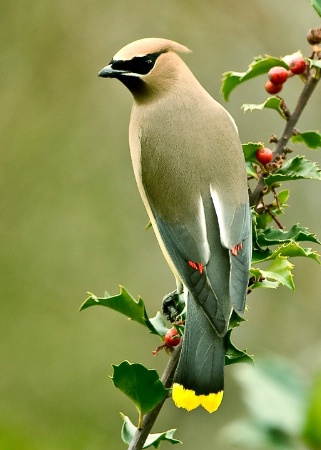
column 201, row 364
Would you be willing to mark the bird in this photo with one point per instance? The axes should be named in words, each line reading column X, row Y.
column 190, row 171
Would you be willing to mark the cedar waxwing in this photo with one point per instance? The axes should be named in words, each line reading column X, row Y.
column 190, row 172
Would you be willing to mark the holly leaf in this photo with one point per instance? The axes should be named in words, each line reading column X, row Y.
column 295, row 169
column 126, row 304
column 266, row 284
column 235, row 320
column 153, row 440
column 291, row 250
column 140, row 384
column 271, row 103
column 283, row 197
column 315, row 63
column 157, row 324
column 311, row 139
column 234, row 355
column 316, row 5
column 259, row 66
column 250, row 149
column 279, row 272
column 272, row 236
column 122, row 302
column 251, row 170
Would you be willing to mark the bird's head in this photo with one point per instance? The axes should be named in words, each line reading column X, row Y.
column 147, row 66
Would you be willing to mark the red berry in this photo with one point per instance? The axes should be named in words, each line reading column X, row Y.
column 264, row 155
column 272, row 88
column 297, row 65
column 278, row 75
column 172, row 337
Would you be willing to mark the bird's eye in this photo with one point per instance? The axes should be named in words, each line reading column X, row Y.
column 140, row 65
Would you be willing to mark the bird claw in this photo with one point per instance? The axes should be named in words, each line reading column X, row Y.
column 173, row 305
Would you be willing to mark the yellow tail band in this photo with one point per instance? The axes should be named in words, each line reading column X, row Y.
column 187, row 399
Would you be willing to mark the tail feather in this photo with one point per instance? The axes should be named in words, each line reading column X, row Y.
column 199, row 378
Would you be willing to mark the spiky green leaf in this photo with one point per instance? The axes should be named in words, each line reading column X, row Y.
column 311, row 139
column 234, row 355
column 140, row 384
column 278, row 272
column 295, row 169
column 123, row 302
column 259, row 66
column 273, row 236
column 235, row 320
column 126, row 304
column 157, row 324
column 249, row 150
column 153, row 440
column 316, row 5
column 251, row 170
column 291, row 250
column 315, row 63
column 271, row 103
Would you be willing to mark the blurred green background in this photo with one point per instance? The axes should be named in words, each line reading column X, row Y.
column 72, row 220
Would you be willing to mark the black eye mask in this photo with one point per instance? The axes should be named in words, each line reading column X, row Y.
column 141, row 65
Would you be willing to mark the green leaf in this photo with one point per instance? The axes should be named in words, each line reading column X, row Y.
column 140, row 384
column 283, row 197
column 271, row 103
column 157, row 325
column 235, row 320
column 234, row 355
column 295, row 169
column 260, row 282
column 251, row 170
column 292, row 249
column 259, row 66
column 312, row 429
column 316, row 5
column 128, row 431
column 266, row 284
column 249, row 150
column 311, row 139
column 123, row 303
column 272, row 236
column 126, row 304
column 279, row 272
column 315, row 63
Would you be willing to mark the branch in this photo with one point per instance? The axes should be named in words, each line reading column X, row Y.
column 308, row 90
column 141, row 434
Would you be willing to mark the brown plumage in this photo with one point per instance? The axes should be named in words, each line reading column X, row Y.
column 190, row 171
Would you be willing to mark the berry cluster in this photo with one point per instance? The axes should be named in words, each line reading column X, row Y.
column 278, row 75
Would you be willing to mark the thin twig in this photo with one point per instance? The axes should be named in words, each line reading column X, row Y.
column 141, row 435
column 308, row 89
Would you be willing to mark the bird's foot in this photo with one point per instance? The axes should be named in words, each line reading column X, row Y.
column 173, row 305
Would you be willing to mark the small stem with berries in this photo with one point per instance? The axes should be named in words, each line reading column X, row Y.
column 308, row 90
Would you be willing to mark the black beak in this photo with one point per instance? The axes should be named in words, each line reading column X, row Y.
column 108, row 72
